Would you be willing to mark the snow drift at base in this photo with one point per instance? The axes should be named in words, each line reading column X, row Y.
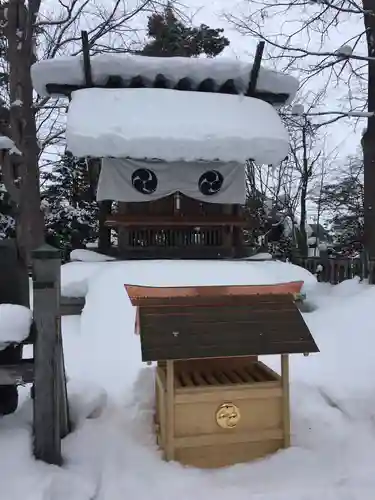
column 112, row 455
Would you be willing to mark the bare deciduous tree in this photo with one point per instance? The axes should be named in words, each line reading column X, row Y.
column 302, row 33
column 288, row 186
column 28, row 31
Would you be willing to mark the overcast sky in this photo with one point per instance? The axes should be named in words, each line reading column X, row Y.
column 342, row 135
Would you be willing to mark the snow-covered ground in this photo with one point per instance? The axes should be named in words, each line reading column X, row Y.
column 112, row 455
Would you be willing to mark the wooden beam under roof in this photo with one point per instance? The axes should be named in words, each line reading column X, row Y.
column 114, row 82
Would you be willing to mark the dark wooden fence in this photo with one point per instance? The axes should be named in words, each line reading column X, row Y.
column 45, row 370
column 336, row 270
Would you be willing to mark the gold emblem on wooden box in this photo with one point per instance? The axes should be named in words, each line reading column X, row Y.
column 228, row 415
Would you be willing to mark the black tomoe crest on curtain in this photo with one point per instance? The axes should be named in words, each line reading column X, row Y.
column 144, row 181
column 210, row 182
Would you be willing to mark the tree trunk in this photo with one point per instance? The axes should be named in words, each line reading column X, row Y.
column 368, row 140
column 302, row 226
column 305, row 180
column 22, row 171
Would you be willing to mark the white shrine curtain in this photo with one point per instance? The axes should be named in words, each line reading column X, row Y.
column 130, row 180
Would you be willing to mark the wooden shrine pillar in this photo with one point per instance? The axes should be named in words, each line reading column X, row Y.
column 51, row 418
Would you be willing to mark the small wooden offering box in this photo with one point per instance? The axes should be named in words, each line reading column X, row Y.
column 216, row 403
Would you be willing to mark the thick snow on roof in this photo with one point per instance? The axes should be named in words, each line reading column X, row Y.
column 69, row 71
column 171, row 125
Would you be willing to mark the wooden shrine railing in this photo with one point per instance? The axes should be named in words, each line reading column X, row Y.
column 195, row 236
column 337, row 270
column 133, row 220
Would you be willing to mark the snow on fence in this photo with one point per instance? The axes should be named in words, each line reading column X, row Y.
column 71, row 306
column 336, row 270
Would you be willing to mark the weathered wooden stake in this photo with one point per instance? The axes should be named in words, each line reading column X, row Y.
column 51, row 420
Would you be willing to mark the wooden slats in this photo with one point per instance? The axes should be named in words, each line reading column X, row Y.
column 173, row 238
column 260, row 374
column 156, row 242
column 163, row 221
column 20, row 373
column 246, row 375
column 190, row 351
column 244, row 334
column 228, row 439
column 199, row 379
column 205, row 322
column 336, row 270
column 186, row 380
column 198, row 230
column 229, row 326
column 71, row 306
column 199, row 376
column 271, row 312
column 180, row 305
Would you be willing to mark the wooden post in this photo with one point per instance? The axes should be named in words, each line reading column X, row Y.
column 286, row 398
column 371, row 272
column 169, row 449
column 105, row 209
column 255, row 69
column 86, row 59
column 50, row 402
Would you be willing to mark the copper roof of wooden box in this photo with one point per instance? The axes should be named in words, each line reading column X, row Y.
column 219, row 321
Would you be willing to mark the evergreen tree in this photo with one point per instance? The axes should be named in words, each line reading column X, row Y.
column 71, row 213
column 7, row 223
column 170, row 37
column 343, row 200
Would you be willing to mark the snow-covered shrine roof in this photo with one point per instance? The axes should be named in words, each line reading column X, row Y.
column 172, row 126
column 62, row 75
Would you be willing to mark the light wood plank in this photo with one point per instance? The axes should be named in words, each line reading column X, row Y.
column 228, row 393
column 285, row 398
column 169, row 450
column 208, row 457
column 230, row 438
